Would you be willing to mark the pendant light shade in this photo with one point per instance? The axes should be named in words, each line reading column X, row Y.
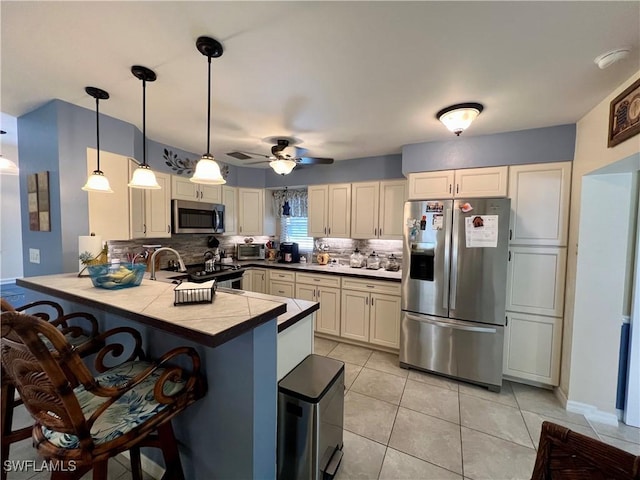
column 143, row 176
column 457, row 118
column 7, row 167
column 97, row 182
column 282, row 166
column 207, row 169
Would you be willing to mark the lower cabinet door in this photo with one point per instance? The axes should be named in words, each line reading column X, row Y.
column 355, row 315
column 385, row 320
column 532, row 347
column 328, row 317
column 308, row 292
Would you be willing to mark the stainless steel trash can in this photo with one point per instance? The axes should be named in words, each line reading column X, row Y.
column 310, row 419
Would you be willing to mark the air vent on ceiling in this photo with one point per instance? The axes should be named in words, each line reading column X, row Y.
column 239, row 155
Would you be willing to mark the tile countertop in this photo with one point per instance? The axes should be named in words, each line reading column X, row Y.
column 232, row 312
column 341, row 270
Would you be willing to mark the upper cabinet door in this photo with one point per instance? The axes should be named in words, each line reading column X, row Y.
column 317, row 210
column 481, row 182
column 392, row 198
column 250, row 211
column 431, row 185
column 158, row 208
column 210, row 193
column 184, row 189
column 539, row 203
column 230, row 202
column 364, row 209
column 339, row 212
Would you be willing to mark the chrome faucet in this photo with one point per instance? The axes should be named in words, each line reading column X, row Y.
column 152, row 275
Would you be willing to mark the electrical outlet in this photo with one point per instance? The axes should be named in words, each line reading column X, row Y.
column 34, row 255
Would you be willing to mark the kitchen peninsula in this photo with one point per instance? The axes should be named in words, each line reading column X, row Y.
column 231, row 432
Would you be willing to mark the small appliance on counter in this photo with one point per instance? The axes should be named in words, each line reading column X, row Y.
column 289, row 252
column 322, row 258
column 250, row 251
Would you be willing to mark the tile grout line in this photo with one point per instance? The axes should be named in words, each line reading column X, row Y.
column 460, row 430
column 395, row 417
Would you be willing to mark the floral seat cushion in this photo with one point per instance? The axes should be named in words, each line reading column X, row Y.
column 132, row 409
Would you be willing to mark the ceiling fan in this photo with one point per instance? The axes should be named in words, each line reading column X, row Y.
column 283, row 158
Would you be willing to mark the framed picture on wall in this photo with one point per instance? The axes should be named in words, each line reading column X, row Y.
column 38, row 202
column 624, row 115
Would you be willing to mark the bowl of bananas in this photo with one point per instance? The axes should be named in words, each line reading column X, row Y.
column 114, row 276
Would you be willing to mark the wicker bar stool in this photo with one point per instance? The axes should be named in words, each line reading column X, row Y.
column 567, row 455
column 84, row 340
column 81, row 420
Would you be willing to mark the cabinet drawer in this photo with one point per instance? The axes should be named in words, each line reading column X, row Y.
column 390, row 288
column 282, row 276
column 321, row 280
column 282, row 289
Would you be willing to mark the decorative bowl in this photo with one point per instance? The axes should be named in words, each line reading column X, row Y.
column 114, row 276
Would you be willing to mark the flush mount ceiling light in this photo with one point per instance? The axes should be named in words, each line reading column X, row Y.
column 7, row 167
column 207, row 169
column 611, row 57
column 143, row 176
column 457, row 118
column 97, row 182
column 282, row 166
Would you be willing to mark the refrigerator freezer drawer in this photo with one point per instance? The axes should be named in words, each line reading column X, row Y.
column 465, row 350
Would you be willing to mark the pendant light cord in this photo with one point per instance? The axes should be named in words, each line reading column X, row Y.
column 144, row 122
column 209, row 108
column 98, row 131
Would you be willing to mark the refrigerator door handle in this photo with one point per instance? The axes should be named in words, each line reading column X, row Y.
column 453, row 290
column 453, row 326
column 447, row 259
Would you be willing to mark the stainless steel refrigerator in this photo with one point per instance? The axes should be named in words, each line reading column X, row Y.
column 454, row 276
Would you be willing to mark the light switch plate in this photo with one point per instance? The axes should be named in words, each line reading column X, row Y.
column 34, row 255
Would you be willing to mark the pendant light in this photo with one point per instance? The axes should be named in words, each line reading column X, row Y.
column 7, row 167
column 97, row 182
column 457, row 118
column 207, row 169
column 282, row 166
column 143, row 176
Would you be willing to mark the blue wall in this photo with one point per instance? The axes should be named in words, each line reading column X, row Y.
column 539, row 145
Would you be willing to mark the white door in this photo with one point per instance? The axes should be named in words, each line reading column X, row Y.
column 328, row 318
column 158, row 208
column 339, row 213
column 431, row 185
column 481, row 182
column 229, row 199
column 364, row 209
column 184, row 189
column 385, row 320
column 539, row 203
column 250, row 211
column 137, row 219
column 317, row 210
column 392, row 198
column 210, row 193
column 355, row 315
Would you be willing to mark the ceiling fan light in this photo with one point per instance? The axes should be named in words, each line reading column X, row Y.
column 143, row 177
column 97, row 182
column 7, row 167
column 282, row 166
column 207, row 172
column 457, row 118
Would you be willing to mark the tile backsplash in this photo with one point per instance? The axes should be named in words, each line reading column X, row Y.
column 192, row 247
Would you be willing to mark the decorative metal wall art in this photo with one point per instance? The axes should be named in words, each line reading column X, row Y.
column 186, row 166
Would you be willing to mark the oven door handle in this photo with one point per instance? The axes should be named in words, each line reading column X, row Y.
column 454, row 326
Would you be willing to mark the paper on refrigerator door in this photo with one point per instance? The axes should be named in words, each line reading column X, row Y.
column 481, row 231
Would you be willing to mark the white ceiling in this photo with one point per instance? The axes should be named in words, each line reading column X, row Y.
column 349, row 79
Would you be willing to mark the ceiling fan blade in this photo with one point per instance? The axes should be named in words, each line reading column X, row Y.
column 242, row 155
column 256, row 163
column 314, row 161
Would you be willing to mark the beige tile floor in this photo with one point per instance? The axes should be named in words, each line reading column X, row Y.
column 404, row 424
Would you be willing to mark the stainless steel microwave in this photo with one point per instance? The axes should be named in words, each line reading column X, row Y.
column 196, row 217
column 250, row 251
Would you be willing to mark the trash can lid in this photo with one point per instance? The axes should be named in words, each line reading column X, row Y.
column 311, row 378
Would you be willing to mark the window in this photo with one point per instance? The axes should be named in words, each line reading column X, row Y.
column 294, row 229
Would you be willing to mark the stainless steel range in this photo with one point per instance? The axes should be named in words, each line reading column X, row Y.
column 227, row 276
column 454, row 287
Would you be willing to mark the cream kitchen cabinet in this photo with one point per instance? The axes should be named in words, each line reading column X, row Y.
column 150, row 210
column 326, row 290
column 539, row 203
column 250, row 211
column 535, row 280
column 282, row 283
column 184, row 189
column 255, row 280
column 532, row 348
column 377, row 209
column 330, row 210
column 109, row 213
column 230, row 202
column 370, row 312
column 464, row 183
